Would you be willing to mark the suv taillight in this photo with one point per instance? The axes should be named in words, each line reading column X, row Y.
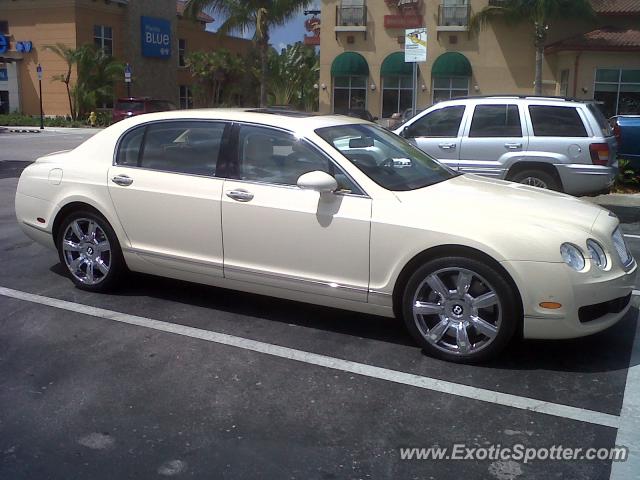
column 599, row 153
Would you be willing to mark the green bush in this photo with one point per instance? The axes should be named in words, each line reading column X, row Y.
column 20, row 120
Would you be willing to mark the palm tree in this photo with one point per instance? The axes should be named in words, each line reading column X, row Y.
column 245, row 15
column 537, row 13
column 70, row 57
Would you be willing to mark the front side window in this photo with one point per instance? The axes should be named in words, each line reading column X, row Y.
column 397, row 95
column 446, row 88
column 618, row 91
column 556, row 121
column 276, row 157
column 444, row 122
column 385, row 158
column 495, row 121
column 103, row 38
column 186, row 97
column 189, row 147
column 349, row 93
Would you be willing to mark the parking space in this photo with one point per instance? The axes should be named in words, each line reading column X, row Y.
column 192, row 381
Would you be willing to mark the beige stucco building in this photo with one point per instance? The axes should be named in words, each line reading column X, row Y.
column 362, row 60
column 117, row 26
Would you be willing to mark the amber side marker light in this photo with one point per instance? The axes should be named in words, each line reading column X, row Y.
column 551, row 305
column 40, row 219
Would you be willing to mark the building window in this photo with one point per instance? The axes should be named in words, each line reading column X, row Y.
column 397, row 94
column 103, row 38
column 349, row 92
column 186, row 98
column 182, row 52
column 618, row 90
column 4, row 27
column 445, row 88
column 564, row 83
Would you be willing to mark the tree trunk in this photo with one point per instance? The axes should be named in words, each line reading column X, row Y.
column 71, row 112
column 539, row 61
column 264, row 67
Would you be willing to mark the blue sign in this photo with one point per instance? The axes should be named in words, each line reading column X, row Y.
column 4, row 76
column 156, row 37
column 24, row 46
column 4, row 44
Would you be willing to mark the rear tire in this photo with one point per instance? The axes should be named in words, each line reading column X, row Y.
column 460, row 309
column 89, row 249
column 537, row 178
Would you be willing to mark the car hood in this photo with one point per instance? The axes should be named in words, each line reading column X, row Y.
column 479, row 199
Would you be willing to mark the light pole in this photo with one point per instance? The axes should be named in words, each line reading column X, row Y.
column 39, row 70
column 127, row 79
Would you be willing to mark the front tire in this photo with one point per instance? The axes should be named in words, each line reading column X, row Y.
column 90, row 251
column 460, row 309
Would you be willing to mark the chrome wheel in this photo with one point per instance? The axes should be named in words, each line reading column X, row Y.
column 86, row 251
column 534, row 182
column 457, row 311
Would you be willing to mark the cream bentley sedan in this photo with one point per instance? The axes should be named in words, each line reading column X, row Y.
column 334, row 211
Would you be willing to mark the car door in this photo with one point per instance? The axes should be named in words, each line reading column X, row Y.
column 166, row 195
column 493, row 140
column 279, row 235
column 437, row 132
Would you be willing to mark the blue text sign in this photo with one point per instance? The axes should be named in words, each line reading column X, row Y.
column 4, row 75
column 4, row 44
column 156, row 37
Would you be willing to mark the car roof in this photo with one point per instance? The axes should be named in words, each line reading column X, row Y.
column 274, row 118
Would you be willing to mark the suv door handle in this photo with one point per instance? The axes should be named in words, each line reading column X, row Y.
column 122, row 180
column 513, row 146
column 240, row 195
column 447, row 146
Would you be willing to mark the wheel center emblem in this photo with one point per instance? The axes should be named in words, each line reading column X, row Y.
column 457, row 310
column 90, row 251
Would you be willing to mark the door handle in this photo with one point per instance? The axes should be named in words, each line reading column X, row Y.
column 513, row 146
column 122, row 180
column 240, row 195
column 447, row 146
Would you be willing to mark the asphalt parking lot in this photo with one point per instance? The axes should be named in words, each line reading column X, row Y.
column 166, row 378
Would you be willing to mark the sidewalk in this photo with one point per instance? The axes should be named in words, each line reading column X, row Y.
column 35, row 129
column 625, row 205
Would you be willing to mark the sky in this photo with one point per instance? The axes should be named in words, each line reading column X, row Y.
column 290, row 33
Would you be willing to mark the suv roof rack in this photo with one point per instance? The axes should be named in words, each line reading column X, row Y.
column 524, row 97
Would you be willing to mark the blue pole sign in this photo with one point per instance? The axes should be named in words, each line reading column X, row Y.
column 156, row 37
column 4, row 75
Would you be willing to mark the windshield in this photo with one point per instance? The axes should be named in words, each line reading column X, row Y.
column 385, row 158
column 130, row 106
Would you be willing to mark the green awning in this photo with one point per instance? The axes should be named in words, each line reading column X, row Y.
column 451, row 64
column 349, row 63
column 394, row 65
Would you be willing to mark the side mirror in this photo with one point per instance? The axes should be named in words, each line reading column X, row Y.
column 318, row 181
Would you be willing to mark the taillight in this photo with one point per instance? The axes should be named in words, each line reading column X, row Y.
column 599, row 153
column 616, row 131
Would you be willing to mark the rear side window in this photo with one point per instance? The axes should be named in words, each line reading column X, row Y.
column 444, row 122
column 495, row 121
column 178, row 147
column 603, row 124
column 555, row 121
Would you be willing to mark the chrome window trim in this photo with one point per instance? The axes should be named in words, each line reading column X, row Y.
column 311, row 145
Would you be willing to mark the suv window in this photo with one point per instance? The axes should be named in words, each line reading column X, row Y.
column 180, row 147
column 444, row 122
column 556, row 121
column 600, row 118
column 496, row 121
column 272, row 156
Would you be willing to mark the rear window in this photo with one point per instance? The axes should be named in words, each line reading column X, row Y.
column 605, row 128
column 160, row 106
column 496, row 121
column 556, row 121
column 130, row 106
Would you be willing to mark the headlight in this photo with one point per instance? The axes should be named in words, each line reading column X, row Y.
column 572, row 256
column 597, row 254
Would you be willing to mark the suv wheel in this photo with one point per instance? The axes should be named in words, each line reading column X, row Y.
column 536, row 178
column 460, row 309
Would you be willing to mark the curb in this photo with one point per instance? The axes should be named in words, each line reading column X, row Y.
column 19, row 130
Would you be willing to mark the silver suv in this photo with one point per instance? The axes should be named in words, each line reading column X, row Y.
column 554, row 143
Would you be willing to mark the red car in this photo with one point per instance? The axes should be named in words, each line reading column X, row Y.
column 132, row 106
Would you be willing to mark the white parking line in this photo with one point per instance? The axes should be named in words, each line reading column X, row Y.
column 628, row 235
column 636, row 293
column 629, row 430
column 427, row 383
